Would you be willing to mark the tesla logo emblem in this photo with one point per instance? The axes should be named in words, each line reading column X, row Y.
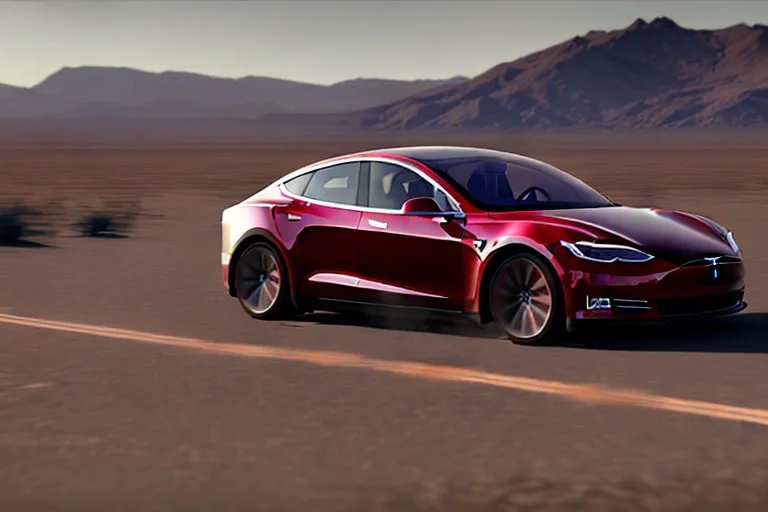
column 712, row 263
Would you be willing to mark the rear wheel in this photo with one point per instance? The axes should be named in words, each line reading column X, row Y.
column 261, row 282
column 526, row 301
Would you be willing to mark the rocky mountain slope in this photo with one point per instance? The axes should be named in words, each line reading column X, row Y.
column 648, row 75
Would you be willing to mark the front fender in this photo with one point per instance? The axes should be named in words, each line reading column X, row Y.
column 494, row 255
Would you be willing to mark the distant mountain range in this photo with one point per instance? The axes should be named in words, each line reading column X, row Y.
column 124, row 93
column 649, row 75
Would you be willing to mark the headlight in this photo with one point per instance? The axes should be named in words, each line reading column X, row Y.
column 732, row 243
column 606, row 253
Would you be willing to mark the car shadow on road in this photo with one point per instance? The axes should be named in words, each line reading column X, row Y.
column 745, row 333
column 450, row 325
column 25, row 244
column 741, row 333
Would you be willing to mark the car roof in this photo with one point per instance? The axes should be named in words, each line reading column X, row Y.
column 425, row 153
column 447, row 152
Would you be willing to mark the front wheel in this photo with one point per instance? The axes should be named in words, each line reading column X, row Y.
column 526, row 301
column 261, row 281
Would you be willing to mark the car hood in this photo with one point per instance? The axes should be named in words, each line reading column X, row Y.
column 667, row 234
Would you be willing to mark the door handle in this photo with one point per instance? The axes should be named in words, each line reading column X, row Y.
column 293, row 217
column 377, row 224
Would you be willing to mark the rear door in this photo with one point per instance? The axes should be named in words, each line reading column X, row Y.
column 319, row 229
column 405, row 260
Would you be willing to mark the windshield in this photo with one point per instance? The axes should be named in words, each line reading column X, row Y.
column 499, row 184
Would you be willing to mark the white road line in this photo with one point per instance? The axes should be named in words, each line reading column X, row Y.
column 580, row 392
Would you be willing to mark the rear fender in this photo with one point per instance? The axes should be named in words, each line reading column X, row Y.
column 248, row 238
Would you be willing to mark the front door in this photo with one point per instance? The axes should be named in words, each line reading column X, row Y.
column 405, row 260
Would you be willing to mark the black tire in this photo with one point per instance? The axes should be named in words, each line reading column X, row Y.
column 520, row 291
column 261, row 283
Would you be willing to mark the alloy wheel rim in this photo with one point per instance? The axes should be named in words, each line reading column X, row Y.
column 258, row 279
column 521, row 299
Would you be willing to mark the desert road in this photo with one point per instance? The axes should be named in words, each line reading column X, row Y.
column 129, row 380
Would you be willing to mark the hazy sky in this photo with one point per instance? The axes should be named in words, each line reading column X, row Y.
column 317, row 41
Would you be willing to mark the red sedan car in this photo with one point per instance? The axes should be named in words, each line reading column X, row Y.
column 495, row 235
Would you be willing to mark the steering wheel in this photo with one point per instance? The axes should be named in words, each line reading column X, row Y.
column 527, row 192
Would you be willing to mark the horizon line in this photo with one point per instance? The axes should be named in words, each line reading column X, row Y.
column 230, row 78
column 330, row 84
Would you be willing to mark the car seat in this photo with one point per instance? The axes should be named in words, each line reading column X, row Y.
column 420, row 188
column 489, row 183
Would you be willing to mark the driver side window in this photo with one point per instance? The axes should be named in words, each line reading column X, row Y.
column 443, row 202
column 391, row 186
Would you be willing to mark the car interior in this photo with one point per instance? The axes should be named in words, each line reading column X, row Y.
column 489, row 183
column 390, row 187
column 393, row 189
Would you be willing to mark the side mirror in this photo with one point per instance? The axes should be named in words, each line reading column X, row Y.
column 424, row 206
column 428, row 207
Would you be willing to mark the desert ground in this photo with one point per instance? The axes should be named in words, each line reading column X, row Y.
column 130, row 380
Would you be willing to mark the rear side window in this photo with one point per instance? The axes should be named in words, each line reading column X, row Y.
column 335, row 184
column 298, row 184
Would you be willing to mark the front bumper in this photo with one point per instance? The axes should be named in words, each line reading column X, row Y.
column 682, row 292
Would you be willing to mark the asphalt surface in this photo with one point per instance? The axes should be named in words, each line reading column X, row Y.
column 91, row 422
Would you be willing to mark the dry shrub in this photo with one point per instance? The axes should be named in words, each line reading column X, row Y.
column 112, row 219
column 21, row 221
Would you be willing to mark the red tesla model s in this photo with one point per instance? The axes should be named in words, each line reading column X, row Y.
column 491, row 234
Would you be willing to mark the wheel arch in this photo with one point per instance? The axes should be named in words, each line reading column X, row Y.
column 495, row 259
column 249, row 238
